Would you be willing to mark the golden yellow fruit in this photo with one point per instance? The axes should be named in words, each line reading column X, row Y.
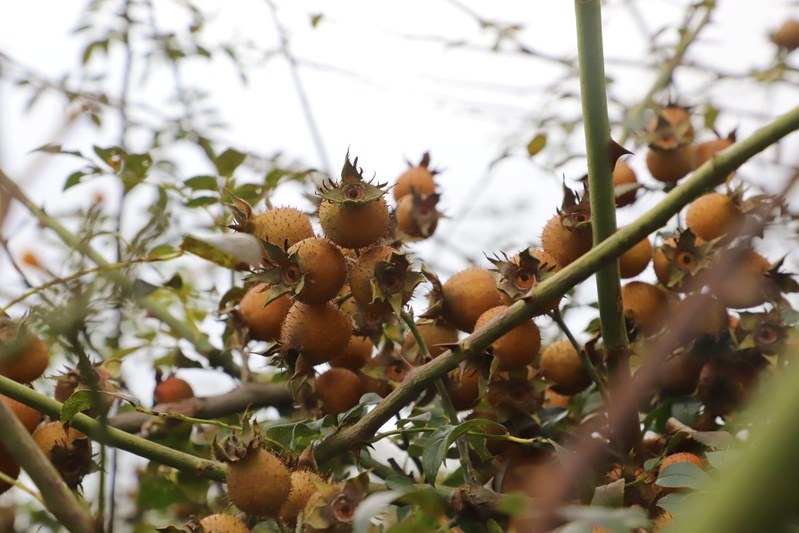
column 560, row 363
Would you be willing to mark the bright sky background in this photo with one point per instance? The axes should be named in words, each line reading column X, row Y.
column 385, row 80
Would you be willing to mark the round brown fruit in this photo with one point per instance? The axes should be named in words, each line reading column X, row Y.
column 679, row 375
column 560, row 363
column 318, row 332
column 701, row 314
column 517, row 348
column 714, row 215
column 354, row 226
column 362, row 276
column 171, row 390
column 624, row 176
column 282, row 226
column 419, row 177
column 467, row 295
column 464, row 388
column 436, row 336
column 338, row 390
column 744, row 284
column 646, row 304
column 29, row 416
column 357, row 353
column 417, row 215
column 567, row 244
column 70, row 451
column 302, row 488
column 223, row 523
column 259, row 483
column 636, row 259
column 708, row 150
column 323, row 267
column 787, row 36
column 264, row 323
column 669, row 166
column 671, row 126
column 9, row 466
column 23, row 355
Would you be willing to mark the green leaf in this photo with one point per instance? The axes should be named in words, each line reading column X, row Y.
column 722, row 459
column 316, row 19
column 675, row 502
column 610, row 495
column 537, row 144
column 617, row 520
column 370, row 398
column 440, row 441
column 75, row 178
column 79, row 401
column 236, row 251
column 202, row 183
column 162, row 250
column 142, row 288
column 684, row 476
column 228, row 161
column 713, row 439
column 202, row 201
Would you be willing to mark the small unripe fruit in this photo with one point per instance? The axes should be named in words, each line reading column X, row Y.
column 264, row 323
column 560, row 363
column 517, row 348
column 338, row 390
column 171, row 390
column 646, row 304
column 223, row 523
column 318, row 332
column 467, row 295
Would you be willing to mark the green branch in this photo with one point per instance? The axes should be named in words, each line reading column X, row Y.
column 124, row 282
column 60, row 500
column 114, row 437
column 605, row 252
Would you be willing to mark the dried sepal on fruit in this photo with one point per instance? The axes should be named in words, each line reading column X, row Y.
column 670, row 127
column 384, row 372
column 105, row 378
column 281, row 226
column 419, row 178
column 353, row 212
column 765, row 331
column 681, row 258
column 333, row 507
column 417, row 215
column 521, row 273
column 567, row 235
column 313, row 271
column 381, row 280
column 258, row 481
column 69, row 450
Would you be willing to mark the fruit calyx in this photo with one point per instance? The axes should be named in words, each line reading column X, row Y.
column 687, row 256
column 521, row 274
column 337, row 503
column 575, row 210
column 763, row 331
column 242, row 215
column 283, row 272
column 394, row 282
column 238, row 446
column 352, row 189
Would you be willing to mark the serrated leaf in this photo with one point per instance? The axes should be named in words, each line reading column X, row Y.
column 228, row 161
column 536, row 144
column 236, row 251
column 79, row 401
column 684, row 476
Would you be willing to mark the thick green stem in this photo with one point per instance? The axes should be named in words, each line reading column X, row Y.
column 112, row 436
column 578, row 271
column 124, row 282
column 58, row 498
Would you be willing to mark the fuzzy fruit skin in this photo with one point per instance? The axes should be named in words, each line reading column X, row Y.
column 171, row 390
column 678, row 117
column 433, row 335
column 9, row 466
column 28, row 359
column 560, row 363
column 707, row 315
column 418, row 177
column 354, row 226
column 713, row 215
column 743, row 285
column 29, row 417
column 636, row 259
column 707, row 150
column 283, row 226
column 224, row 523
column 669, row 166
column 517, row 348
column 564, row 244
column 318, row 332
column 464, row 388
column 361, row 275
column 264, row 323
column 787, row 36
column 259, row 483
column 339, row 390
column 302, row 488
column 647, row 304
column 467, row 295
column 69, row 451
column 679, row 375
column 408, row 216
column 726, row 384
column 355, row 356
column 325, row 270
column 624, row 175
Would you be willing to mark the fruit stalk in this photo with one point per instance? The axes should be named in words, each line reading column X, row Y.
column 112, row 436
column 61, row 501
column 180, row 329
column 446, row 402
column 560, row 283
